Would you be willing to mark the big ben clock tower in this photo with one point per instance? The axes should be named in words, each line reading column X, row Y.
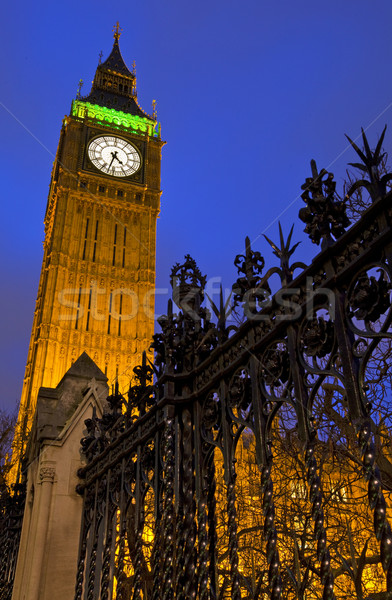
column 96, row 290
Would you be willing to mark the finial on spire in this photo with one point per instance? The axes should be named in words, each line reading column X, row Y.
column 154, row 109
column 134, row 68
column 100, row 57
column 79, row 88
column 117, row 31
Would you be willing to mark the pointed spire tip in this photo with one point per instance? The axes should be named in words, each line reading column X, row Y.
column 117, row 31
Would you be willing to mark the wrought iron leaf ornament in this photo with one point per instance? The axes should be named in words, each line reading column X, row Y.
column 324, row 215
column 370, row 297
column 370, row 166
column 318, row 337
column 275, row 366
column 250, row 288
column 240, row 394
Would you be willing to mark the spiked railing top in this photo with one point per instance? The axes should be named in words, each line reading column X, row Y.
column 284, row 253
column 370, row 166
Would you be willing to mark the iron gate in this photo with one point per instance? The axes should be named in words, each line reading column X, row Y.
column 236, row 466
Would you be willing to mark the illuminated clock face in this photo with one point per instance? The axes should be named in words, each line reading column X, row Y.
column 114, row 156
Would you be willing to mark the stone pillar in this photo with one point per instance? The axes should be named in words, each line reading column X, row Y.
column 48, row 552
column 46, row 478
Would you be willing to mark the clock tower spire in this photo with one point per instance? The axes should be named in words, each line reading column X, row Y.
column 117, row 31
column 96, row 290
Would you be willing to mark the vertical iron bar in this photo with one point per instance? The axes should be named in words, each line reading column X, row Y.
column 120, row 592
column 178, row 505
column 264, row 460
column 307, row 435
column 359, row 416
column 167, row 522
column 212, row 535
column 105, row 573
column 230, row 479
column 187, row 588
column 85, row 526
column 320, row 534
column 156, row 558
column 270, row 534
column 91, row 549
column 139, row 526
column 202, row 535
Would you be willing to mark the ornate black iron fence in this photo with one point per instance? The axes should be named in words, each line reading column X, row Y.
column 11, row 518
column 236, row 467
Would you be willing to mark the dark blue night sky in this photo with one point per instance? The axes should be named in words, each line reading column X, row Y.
column 247, row 93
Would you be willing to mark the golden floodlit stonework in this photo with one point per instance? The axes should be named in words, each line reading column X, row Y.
column 96, row 290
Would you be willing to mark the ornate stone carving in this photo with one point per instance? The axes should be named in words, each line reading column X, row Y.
column 47, row 474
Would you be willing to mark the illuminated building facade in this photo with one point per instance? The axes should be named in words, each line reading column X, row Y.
column 96, row 290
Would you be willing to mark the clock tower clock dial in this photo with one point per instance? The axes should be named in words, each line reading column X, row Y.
column 114, row 156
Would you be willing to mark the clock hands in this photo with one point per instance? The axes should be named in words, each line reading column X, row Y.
column 114, row 156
